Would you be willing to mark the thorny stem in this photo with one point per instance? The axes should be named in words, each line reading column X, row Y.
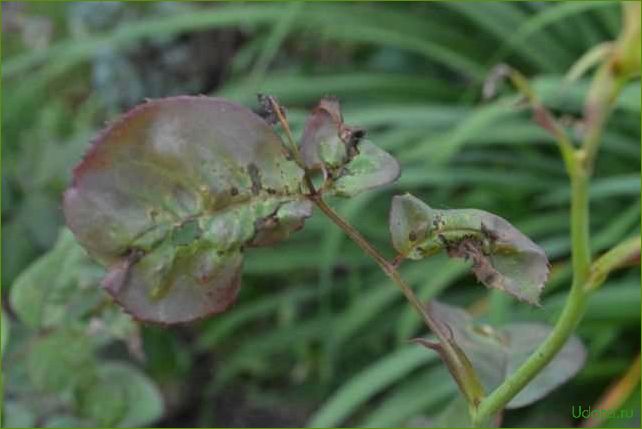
column 388, row 268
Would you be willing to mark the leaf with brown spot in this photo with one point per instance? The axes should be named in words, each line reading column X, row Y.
column 502, row 257
column 353, row 165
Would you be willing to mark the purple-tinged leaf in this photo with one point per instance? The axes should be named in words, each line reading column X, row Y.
column 169, row 196
column 321, row 143
column 351, row 165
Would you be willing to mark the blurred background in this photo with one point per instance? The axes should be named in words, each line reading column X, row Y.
column 318, row 335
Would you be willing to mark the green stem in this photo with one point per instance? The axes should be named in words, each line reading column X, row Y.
column 606, row 86
column 571, row 314
column 580, row 239
column 579, row 163
column 497, row 400
column 628, row 251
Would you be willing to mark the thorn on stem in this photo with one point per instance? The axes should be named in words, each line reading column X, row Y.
column 396, row 262
column 267, row 108
column 426, row 343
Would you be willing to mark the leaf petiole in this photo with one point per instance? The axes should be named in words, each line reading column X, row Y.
column 455, row 359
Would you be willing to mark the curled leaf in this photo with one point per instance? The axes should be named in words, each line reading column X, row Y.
column 351, row 165
column 322, row 144
column 502, row 257
column 170, row 195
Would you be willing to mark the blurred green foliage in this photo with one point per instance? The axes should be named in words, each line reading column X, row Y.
column 318, row 335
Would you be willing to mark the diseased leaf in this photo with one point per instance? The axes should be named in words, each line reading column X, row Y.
column 409, row 225
column 495, row 353
column 502, row 257
column 321, row 143
column 351, row 164
column 523, row 339
column 370, row 168
column 170, row 195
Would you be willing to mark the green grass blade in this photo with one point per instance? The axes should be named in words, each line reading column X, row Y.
column 368, row 383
